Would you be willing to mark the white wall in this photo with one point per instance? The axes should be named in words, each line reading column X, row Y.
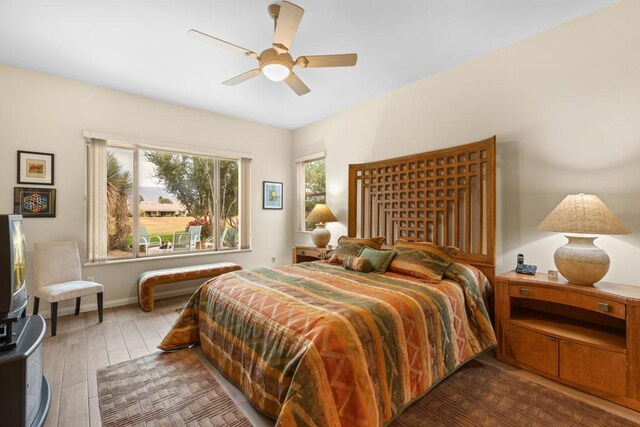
column 565, row 106
column 48, row 114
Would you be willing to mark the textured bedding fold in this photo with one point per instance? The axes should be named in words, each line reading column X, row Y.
column 315, row 344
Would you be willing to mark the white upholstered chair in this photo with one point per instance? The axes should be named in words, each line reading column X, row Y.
column 58, row 277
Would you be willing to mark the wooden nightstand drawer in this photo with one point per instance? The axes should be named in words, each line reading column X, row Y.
column 600, row 305
column 309, row 252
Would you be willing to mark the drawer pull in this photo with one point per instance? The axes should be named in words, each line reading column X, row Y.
column 565, row 342
column 604, row 307
column 551, row 338
column 524, row 291
column 303, row 252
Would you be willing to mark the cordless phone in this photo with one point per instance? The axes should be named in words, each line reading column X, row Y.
column 523, row 268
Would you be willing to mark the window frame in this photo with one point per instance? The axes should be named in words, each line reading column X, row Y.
column 244, row 197
column 301, row 187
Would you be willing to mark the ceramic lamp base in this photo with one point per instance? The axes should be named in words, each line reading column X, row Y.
column 581, row 262
column 320, row 235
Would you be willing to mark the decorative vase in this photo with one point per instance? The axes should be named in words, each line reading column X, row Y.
column 581, row 262
column 320, row 235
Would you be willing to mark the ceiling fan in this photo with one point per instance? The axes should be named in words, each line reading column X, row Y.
column 276, row 63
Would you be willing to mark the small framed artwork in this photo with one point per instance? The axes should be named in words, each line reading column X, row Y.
column 34, row 202
column 35, row 168
column 271, row 195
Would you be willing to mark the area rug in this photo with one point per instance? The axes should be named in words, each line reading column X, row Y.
column 482, row 395
column 165, row 389
column 176, row 389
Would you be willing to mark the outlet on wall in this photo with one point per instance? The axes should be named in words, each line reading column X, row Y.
column 91, row 278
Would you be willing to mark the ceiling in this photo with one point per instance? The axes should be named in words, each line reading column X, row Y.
column 141, row 46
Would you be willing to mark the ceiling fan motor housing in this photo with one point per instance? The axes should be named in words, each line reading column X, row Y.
column 271, row 56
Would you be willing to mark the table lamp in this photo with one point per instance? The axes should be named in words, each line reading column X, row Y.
column 580, row 261
column 321, row 214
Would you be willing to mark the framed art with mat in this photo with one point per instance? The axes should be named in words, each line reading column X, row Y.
column 35, row 168
column 34, row 202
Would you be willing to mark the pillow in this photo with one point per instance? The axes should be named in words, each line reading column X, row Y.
column 422, row 260
column 380, row 260
column 374, row 242
column 350, row 246
column 354, row 263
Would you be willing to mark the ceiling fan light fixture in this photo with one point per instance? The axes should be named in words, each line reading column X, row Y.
column 276, row 71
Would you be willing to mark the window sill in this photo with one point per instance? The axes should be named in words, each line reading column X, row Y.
column 164, row 257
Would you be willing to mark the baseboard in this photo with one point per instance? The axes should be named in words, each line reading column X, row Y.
column 93, row 305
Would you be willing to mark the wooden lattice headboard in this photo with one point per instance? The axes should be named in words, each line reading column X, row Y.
column 447, row 197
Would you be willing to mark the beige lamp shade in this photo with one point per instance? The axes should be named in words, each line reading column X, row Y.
column 580, row 261
column 583, row 214
column 321, row 213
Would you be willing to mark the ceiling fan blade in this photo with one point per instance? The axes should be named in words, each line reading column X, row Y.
column 287, row 24
column 342, row 60
column 242, row 77
column 296, row 84
column 220, row 43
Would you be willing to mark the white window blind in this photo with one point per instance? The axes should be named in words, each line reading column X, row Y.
column 97, row 236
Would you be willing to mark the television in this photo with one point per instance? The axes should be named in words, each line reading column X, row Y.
column 13, row 263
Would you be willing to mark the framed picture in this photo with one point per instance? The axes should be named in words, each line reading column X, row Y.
column 271, row 195
column 34, row 202
column 35, row 168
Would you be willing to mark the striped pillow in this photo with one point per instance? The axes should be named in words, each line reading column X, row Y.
column 350, row 246
column 422, row 260
column 354, row 263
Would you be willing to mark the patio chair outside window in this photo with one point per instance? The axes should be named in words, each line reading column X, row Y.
column 147, row 241
column 193, row 236
column 228, row 239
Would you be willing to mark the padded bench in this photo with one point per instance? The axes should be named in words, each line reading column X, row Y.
column 150, row 279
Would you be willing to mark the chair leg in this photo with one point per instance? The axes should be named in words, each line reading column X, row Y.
column 77, row 306
column 36, row 305
column 100, row 296
column 54, row 318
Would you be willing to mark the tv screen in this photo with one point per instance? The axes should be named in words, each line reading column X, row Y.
column 13, row 266
column 18, row 245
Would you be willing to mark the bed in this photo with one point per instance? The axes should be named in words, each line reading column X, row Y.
column 315, row 344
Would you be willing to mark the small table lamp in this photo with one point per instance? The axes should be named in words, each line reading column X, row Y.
column 321, row 214
column 580, row 261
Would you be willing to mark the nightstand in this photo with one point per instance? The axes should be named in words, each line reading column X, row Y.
column 587, row 337
column 309, row 253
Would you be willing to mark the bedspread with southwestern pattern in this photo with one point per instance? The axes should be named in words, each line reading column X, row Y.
column 314, row 344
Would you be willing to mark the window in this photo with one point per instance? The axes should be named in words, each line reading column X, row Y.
column 312, row 187
column 146, row 201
